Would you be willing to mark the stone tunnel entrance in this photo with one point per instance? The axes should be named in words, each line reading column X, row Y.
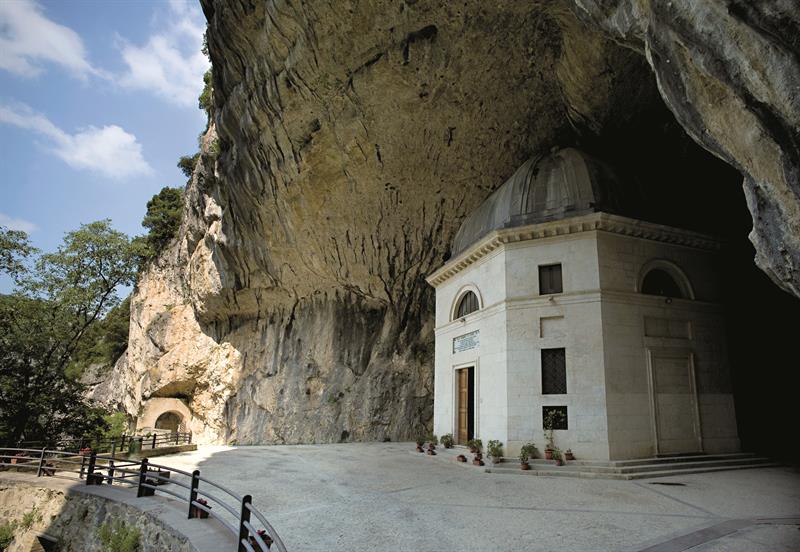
column 166, row 414
column 171, row 421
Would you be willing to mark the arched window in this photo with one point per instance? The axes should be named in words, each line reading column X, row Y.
column 660, row 282
column 467, row 304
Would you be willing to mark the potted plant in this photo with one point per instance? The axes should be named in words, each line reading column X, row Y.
column 196, row 512
column 568, row 455
column 525, row 453
column 495, row 450
column 264, row 537
column 475, row 446
column 558, row 456
column 420, row 441
column 432, row 442
column 461, row 458
column 447, row 441
column 550, row 420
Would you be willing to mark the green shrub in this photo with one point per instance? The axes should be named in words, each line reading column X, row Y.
column 477, row 444
column 447, row 440
column 119, row 537
column 7, row 534
column 526, row 452
column 495, row 449
column 206, row 99
column 29, row 518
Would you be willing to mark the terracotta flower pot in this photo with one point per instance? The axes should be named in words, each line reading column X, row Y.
column 266, row 538
column 569, row 456
column 524, row 466
column 559, row 462
column 431, row 452
column 461, row 458
column 198, row 513
column 477, row 462
column 419, row 449
column 479, row 456
column 548, row 454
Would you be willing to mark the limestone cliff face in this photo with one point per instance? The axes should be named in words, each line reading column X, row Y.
column 353, row 138
column 730, row 72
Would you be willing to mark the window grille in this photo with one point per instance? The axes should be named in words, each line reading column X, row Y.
column 558, row 415
column 550, row 279
column 554, row 372
column 467, row 304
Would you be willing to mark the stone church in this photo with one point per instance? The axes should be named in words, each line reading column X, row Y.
column 558, row 299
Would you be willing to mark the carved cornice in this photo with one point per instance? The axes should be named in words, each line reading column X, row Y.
column 603, row 222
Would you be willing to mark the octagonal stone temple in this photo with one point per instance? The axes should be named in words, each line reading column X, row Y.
column 561, row 309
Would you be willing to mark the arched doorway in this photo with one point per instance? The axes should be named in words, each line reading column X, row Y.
column 171, row 421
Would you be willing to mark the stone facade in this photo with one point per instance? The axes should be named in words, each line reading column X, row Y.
column 645, row 374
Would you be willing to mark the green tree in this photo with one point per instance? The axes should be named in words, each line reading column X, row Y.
column 187, row 163
column 104, row 342
column 43, row 321
column 163, row 219
column 206, row 99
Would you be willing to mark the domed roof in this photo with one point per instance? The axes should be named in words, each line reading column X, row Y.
column 562, row 184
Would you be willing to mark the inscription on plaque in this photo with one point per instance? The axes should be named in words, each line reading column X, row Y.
column 466, row 342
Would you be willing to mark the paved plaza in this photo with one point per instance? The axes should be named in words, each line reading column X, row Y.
column 383, row 496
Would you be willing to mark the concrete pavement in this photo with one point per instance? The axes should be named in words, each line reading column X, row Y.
column 382, row 496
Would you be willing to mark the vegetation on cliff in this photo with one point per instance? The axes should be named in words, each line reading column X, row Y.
column 56, row 301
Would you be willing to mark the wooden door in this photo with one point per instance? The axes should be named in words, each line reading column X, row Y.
column 463, row 406
column 675, row 404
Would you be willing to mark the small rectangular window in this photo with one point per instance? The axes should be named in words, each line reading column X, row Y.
column 550, row 279
column 554, row 371
column 557, row 415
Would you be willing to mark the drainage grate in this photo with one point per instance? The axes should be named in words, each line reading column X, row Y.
column 668, row 483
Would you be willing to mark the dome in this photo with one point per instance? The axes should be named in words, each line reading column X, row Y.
column 562, row 184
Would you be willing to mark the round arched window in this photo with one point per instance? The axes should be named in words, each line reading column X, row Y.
column 660, row 282
column 467, row 304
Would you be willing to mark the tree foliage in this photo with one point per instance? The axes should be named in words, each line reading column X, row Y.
column 187, row 163
column 162, row 220
column 206, row 99
column 104, row 342
column 43, row 321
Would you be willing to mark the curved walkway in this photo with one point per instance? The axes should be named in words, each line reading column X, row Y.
column 383, row 496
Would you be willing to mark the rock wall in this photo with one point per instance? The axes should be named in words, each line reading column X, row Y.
column 730, row 72
column 74, row 520
column 349, row 141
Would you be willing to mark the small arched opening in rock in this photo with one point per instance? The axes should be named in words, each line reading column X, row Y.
column 171, row 421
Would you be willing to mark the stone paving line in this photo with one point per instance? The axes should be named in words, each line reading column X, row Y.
column 375, row 496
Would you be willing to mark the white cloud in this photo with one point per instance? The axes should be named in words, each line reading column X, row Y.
column 17, row 224
column 170, row 64
column 110, row 150
column 28, row 39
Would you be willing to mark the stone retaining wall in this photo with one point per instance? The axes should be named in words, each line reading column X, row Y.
column 74, row 518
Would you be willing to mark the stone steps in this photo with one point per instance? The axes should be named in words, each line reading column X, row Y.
column 637, row 469
column 622, row 469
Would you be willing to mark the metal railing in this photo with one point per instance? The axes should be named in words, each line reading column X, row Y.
column 151, row 441
column 233, row 511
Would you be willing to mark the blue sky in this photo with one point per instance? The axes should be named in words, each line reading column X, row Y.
column 97, row 102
